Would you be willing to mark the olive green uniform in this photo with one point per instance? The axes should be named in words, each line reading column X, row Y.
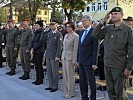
column 118, row 49
column 11, row 43
column 25, row 40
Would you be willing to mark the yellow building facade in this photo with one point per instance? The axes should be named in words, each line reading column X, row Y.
column 42, row 14
column 99, row 8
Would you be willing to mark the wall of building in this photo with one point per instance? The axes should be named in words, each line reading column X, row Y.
column 106, row 6
column 42, row 14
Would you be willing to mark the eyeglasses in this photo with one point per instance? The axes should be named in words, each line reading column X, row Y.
column 68, row 26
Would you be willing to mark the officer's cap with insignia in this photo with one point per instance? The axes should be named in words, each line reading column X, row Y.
column 87, row 17
column 53, row 23
column 117, row 9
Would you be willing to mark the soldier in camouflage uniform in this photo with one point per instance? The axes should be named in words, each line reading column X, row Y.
column 118, row 49
column 25, row 55
column 1, row 35
column 11, row 46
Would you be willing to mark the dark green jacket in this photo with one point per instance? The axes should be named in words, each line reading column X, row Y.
column 11, row 38
column 118, row 45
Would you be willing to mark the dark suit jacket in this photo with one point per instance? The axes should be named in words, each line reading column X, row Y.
column 88, row 50
column 37, row 43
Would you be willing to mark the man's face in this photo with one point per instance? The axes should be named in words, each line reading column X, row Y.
column 80, row 27
column 10, row 24
column 130, row 23
column 37, row 26
column 25, row 23
column 116, row 16
column 53, row 27
column 86, row 23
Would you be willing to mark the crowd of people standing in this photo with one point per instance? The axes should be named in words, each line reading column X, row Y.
column 74, row 48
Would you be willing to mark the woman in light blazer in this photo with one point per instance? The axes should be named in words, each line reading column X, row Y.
column 69, row 58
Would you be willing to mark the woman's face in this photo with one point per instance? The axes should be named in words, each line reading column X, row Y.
column 69, row 28
column 37, row 26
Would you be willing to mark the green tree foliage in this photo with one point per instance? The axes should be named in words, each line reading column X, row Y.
column 3, row 17
column 56, row 16
column 22, row 13
column 70, row 6
column 54, row 4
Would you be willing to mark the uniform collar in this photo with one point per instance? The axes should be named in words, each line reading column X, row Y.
column 54, row 31
column 119, row 27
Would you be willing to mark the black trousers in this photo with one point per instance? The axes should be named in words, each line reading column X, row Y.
column 38, row 57
column 101, row 70
column 1, row 58
column 86, row 74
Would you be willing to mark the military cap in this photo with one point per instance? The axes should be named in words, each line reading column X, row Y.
column 116, row 9
column 129, row 18
column 53, row 23
column 26, row 19
column 87, row 17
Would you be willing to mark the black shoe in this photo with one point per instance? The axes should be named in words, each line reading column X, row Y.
column 21, row 77
column 34, row 82
column 99, row 88
column 104, row 88
column 26, row 76
column 53, row 90
column 39, row 82
column 8, row 73
column 48, row 88
column 77, row 81
column 12, row 72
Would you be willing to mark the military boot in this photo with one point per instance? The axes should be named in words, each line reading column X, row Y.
column 38, row 82
column 26, row 76
column 12, row 72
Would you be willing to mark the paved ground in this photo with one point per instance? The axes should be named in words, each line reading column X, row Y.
column 12, row 88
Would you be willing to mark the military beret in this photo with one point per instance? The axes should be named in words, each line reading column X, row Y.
column 26, row 19
column 116, row 9
column 87, row 17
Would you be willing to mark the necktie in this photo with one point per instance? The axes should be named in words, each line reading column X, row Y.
column 83, row 36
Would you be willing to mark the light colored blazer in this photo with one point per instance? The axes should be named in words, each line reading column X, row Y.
column 70, row 47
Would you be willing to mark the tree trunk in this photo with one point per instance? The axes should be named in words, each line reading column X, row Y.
column 69, row 15
column 11, row 14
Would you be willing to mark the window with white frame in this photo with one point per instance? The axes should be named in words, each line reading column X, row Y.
column 99, row 6
column 93, row 7
column 88, row 9
column 105, row 6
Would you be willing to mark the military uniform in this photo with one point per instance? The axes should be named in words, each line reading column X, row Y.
column 11, row 43
column 118, row 49
column 25, row 40
column 1, row 40
column 53, row 50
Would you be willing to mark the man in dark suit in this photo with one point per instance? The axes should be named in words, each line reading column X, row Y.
column 87, row 59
